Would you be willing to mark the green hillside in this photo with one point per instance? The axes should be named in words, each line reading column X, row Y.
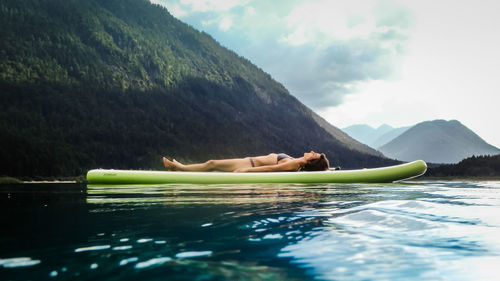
column 118, row 83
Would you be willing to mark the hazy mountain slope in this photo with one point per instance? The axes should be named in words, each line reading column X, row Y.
column 387, row 137
column 367, row 134
column 118, row 83
column 344, row 138
column 437, row 141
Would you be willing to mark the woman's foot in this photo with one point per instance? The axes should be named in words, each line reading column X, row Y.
column 170, row 165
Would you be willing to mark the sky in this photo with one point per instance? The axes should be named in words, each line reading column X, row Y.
column 395, row 62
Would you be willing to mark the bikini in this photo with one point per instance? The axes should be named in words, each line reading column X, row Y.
column 280, row 157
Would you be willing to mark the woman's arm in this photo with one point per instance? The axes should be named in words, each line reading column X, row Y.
column 283, row 167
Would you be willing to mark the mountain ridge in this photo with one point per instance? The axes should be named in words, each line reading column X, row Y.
column 373, row 137
column 116, row 84
column 388, row 136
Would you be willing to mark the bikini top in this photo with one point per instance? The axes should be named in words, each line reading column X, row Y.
column 282, row 156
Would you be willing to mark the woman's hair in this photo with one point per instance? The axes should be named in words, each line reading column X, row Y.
column 320, row 164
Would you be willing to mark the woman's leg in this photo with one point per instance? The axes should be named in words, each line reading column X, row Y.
column 224, row 165
column 177, row 166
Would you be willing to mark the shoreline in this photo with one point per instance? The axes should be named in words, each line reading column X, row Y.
column 81, row 180
column 50, row 181
column 458, row 178
column 35, row 180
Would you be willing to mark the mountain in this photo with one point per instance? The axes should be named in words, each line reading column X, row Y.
column 119, row 83
column 387, row 137
column 367, row 134
column 438, row 141
column 338, row 134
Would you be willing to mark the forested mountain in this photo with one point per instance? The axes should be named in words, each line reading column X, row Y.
column 438, row 141
column 480, row 166
column 119, row 83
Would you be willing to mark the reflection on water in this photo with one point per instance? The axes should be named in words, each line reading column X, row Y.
column 213, row 194
column 410, row 231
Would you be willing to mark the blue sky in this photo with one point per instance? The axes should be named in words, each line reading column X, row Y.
column 368, row 61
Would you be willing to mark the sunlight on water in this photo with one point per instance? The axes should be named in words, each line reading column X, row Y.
column 153, row 262
column 452, row 232
column 93, row 248
column 18, row 262
column 403, row 231
column 193, row 254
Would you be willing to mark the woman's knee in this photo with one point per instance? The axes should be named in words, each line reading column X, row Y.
column 211, row 164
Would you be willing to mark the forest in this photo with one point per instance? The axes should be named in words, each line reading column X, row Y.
column 119, row 83
column 487, row 166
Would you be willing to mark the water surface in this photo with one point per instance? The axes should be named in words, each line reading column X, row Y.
column 410, row 231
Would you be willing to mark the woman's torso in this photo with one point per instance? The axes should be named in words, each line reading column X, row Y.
column 271, row 159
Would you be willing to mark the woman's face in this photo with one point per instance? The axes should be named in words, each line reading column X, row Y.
column 311, row 155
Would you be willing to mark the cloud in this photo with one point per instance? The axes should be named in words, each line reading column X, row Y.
column 211, row 5
column 250, row 11
column 320, row 50
column 321, row 77
column 225, row 23
column 183, row 8
column 323, row 56
column 389, row 14
column 174, row 8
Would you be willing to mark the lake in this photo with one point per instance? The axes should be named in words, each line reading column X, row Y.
column 402, row 231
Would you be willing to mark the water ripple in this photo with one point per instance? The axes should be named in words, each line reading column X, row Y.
column 153, row 262
column 92, row 248
column 412, row 234
column 18, row 262
column 403, row 231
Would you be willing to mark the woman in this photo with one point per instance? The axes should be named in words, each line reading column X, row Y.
column 311, row 161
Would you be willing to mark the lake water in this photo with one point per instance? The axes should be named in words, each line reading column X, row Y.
column 404, row 231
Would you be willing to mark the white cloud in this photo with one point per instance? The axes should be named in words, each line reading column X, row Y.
column 329, row 49
column 211, row 5
column 206, row 23
column 225, row 23
column 174, row 8
column 249, row 11
column 184, row 8
column 322, row 22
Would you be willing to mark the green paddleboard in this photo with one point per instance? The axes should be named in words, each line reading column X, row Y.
column 375, row 175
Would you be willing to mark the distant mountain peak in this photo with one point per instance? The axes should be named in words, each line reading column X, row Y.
column 384, row 127
column 438, row 141
column 367, row 134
